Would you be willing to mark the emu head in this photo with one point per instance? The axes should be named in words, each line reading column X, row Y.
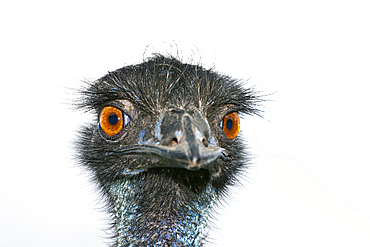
column 163, row 147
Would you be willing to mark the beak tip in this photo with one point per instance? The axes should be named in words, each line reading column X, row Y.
column 193, row 164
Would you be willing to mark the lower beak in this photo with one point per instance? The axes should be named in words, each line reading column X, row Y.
column 178, row 156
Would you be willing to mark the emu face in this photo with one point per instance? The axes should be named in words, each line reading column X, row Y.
column 164, row 147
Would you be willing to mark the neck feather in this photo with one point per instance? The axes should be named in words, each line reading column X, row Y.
column 158, row 211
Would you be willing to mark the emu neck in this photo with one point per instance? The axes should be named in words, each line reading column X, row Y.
column 156, row 211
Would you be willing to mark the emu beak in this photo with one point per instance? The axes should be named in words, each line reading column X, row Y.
column 190, row 154
column 193, row 151
column 185, row 142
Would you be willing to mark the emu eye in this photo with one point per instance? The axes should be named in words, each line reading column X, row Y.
column 112, row 120
column 231, row 125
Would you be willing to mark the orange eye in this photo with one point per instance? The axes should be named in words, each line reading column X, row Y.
column 111, row 120
column 231, row 125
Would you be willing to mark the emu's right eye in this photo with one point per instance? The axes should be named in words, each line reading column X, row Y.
column 112, row 120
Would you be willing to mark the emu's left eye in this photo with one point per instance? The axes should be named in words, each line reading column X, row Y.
column 112, row 120
column 231, row 125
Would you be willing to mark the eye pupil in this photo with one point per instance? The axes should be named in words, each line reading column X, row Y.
column 229, row 124
column 113, row 119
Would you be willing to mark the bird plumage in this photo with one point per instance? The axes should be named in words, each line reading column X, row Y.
column 163, row 171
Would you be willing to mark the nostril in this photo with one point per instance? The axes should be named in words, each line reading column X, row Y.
column 205, row 142
column 170, row 141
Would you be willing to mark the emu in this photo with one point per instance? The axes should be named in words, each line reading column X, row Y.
column 164, row 147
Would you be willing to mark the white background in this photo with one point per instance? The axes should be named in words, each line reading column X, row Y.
column 309, row 184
